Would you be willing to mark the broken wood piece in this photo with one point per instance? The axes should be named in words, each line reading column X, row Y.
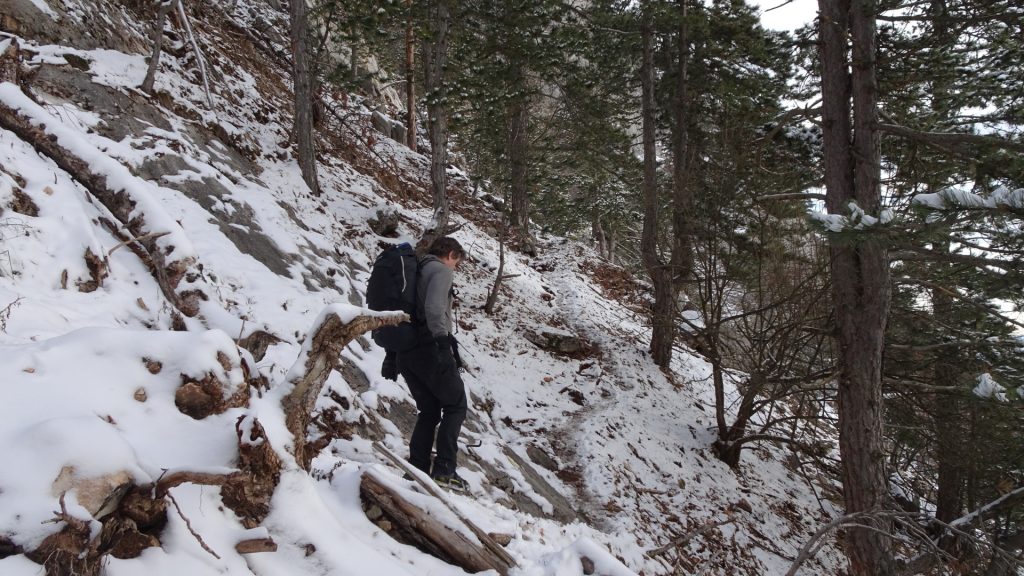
column 256, row 545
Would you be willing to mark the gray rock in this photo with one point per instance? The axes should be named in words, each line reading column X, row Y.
column 385, row 223
column 557, row 341
column 388, row 127
column 99, row 495
column 562, row 510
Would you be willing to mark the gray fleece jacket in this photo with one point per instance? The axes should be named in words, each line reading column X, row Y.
column 434, row 295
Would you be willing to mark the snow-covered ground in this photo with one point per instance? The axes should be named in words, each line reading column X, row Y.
column 627, row 448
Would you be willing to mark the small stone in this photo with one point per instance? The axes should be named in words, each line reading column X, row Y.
column 153, row 366
column 140, row 394
column 76, row 62
column 99, row 495
column 588, row 565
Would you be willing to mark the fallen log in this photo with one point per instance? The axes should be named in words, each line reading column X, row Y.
column 499, row 559
column 336, row 326
column 28, row 121
column 412, row 525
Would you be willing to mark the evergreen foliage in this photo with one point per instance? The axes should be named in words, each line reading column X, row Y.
column 545, row 100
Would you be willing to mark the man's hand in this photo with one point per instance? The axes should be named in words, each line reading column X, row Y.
column 389, row 369
column 445, row 356
column 458, row 357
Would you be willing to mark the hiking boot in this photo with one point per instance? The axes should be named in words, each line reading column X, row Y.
column 451, row 482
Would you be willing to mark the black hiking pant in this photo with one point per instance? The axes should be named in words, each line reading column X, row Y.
column 441, row 401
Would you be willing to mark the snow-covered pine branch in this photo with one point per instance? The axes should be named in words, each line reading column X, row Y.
column 1002, row 198
column 856, row 219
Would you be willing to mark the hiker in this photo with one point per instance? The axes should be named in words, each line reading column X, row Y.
column 431, row 368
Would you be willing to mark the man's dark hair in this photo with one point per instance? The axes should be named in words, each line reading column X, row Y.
column 444, row 246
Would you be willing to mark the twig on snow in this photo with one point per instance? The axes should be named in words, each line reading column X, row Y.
column 149, row 236
column 5, row 314
column 190, row 529
column 685, row 538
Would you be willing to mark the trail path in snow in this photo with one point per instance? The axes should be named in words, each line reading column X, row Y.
column 571, row 438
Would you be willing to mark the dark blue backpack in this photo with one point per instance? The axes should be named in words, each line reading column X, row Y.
column 392, row 286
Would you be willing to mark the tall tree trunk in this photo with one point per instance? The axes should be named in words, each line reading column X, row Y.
column 435, row 60
column 860, row 273
column 662, row 319
column 682, row 193
column 948, row 420
column 948, row 408
column 410, row 81
column 518, row 148
column 302, row 79
column 158, row 43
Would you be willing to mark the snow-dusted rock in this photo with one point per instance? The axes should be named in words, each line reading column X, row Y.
column 99, row 495
column 554, row 340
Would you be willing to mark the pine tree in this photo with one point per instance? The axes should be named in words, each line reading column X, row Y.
column 860, row 267
column 304, row 82
column 510, row 56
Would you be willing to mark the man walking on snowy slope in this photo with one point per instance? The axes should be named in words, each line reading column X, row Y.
column 431, row 368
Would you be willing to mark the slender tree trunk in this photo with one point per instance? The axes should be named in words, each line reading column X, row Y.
column 410, row 81
column 158, row 43
column 597, row 231
column 519, row 123
column 948, row 408
column 718, row 377
column 949, row 438
column 682, row 197
column 948, row 422
column 662, row 319
column 492, row 296
column 860, row 273
column 435, row 57
column 302, row 79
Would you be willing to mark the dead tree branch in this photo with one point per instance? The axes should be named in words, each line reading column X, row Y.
column 320, row 355
column 951, row 138
column 200, row 59
column 417, row 527
column 498, row 558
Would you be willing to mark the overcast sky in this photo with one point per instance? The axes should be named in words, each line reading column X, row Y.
column 788, row 17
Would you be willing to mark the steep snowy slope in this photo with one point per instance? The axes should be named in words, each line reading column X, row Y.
column 591, row 454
